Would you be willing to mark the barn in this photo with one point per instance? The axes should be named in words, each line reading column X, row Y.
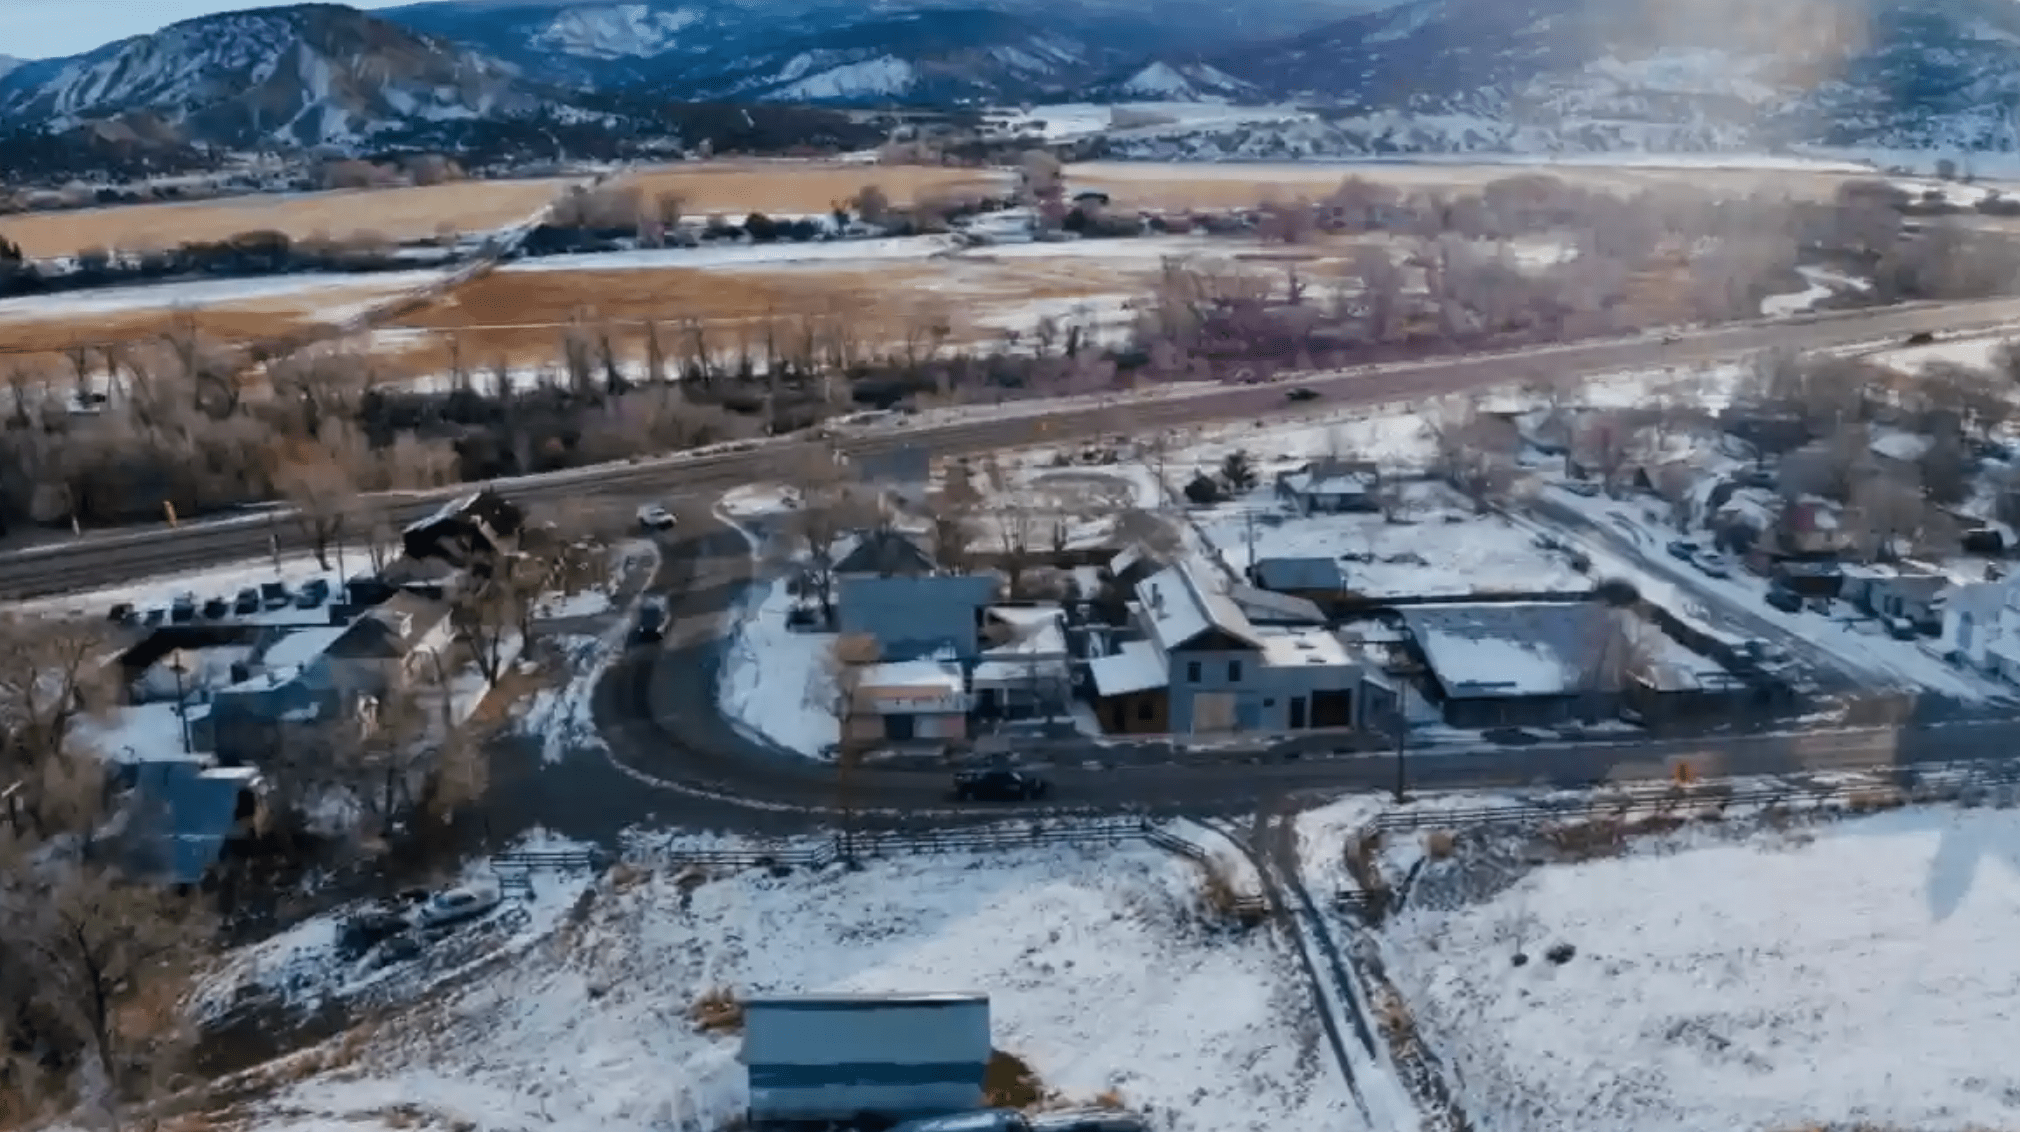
column 866, row 1059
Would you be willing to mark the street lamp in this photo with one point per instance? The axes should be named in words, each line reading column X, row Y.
column 1401, row 722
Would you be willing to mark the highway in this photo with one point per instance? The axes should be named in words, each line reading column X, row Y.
column 98, row 560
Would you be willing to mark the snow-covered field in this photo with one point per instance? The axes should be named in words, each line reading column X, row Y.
column 1858, row 973
column 1099, row 971
column 326, row 297
column 1436, row 546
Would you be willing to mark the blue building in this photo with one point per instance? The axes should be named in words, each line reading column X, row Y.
column 833, row 1058
column 916, row 617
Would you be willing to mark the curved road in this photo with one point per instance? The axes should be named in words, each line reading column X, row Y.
column 101, row 560
column 672, row 759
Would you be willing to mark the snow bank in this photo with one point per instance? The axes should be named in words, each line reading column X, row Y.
column 1098, row 973
column 775, row 681
column 1860, row 973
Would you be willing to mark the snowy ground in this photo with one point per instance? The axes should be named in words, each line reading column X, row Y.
column 1976, row 353
column 1099, row 973
column 775, row 681
column 1851, row 973
column 562, row 715
column 330, row 297
column 1438, row 545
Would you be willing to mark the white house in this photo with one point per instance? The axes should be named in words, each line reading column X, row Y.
column 1981, row 627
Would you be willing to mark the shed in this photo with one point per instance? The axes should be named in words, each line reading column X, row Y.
column 1300, row 575
column 1517, row 663
column 184, row 813
column 847, row 1057
column 917, row 617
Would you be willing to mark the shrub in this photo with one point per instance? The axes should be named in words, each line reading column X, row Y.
column 1439, row 844
column 717, row 1011
column 1007, row 1082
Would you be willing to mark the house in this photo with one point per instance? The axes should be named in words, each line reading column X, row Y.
column 1131, row 690
column 1222, row 673
column 1515, row 664
column 181, row 816
column 1024, row 671
column 1332, row 486
column 914, row 617
column 1133, row 564
column 863, row 1059
column 881, row 553
column 1906, row 591
column 1319, row 579
column 1811, row 579
column 398, row 643
column 906, row 701
column 1981, row 627
column 1810, row 527
column 466, row 532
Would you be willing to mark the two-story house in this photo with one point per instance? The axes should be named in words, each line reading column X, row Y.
column 1220, row 671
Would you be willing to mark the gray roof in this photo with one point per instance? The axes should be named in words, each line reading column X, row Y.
column 1301, row 574
column 1180, row 607
column 884, row 553
column 1512, row 649
column 1265, row 607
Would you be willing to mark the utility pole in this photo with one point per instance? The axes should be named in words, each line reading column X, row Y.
column 1402, row 723
column 1249, row 515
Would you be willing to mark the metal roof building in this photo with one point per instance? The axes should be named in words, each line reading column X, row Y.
column 822, row 1058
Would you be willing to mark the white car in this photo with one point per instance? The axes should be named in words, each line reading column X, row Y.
column 454, row 905
column 653, row 517
column 1716, row 565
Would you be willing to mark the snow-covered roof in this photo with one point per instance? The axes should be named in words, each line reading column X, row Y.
column 1180, row 607
column 300, row 647
column 1906, row 447
column 1138, row 667
column 1034, row 631
column 1486, row 650
column 915, row 674
column 1018, row 672
column 1303, row 648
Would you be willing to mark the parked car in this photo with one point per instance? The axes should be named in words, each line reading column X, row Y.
column 1301, row 393
column 1087, row 1120
column 999, row 785
column 183, row 609
column 367, row 930
column 121, row 613
column 653, row 517
column 275, row 595
column 248, row 602
column 1714, row 565
column 313, row 593
column 1586, row 488
column 1901, row 628
column 981, row 1120
column 1788, row 601
column 651, row 621
column 153, row 617
column 455, row 905
column 216, row 607
column 1682, row 549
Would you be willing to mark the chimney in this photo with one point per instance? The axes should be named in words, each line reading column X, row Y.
column 1156, row 600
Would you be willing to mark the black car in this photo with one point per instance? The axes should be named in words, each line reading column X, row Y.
column 121, row 613
column 1920, row 338
column 1788, row 601
column 651, row 622
column 1301, row 393
column 248, row 602
column 313, row 593
column 275, row 595
column 183, row 609
column 216, row 607
column 999, row 786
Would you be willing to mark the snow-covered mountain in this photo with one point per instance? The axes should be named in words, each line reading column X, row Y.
column 1604, row 74
column 1163, row 80
column 310, row 74
column 8, row 63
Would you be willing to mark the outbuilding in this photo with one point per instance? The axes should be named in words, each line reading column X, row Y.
column 863, row 1059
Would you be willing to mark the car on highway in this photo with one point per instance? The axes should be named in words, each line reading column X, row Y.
column 1786, row 600
column 999, row 784
column 1301, row 393
column 1920, row 338
column 651, row 621
column 653, row 517
column 978, row 1120
column 455, row 905
column 1714, row 565
column 1087, row 1120
column 1683, row 550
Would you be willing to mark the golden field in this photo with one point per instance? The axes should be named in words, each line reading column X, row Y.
column 737, row 188
column 403, row 213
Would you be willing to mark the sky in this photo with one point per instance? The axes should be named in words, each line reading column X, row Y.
column 39, row 29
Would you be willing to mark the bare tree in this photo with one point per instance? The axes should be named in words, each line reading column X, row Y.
column 322, row 491
column 1474, row 453
column 98, row 942
column 1887, row 513
column 50, row 676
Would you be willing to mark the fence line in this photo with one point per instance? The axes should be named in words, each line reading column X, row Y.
column 828, row 850
column 1936, row 782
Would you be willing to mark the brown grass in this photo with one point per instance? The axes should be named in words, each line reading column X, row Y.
column 1110, row 1099
column 1008, row 1082
column 399, row 213
column 736, row 188
column 1440, row 844
column 717, row 1011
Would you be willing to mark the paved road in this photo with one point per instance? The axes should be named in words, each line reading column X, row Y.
column 108, row 559
column 673, row 759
